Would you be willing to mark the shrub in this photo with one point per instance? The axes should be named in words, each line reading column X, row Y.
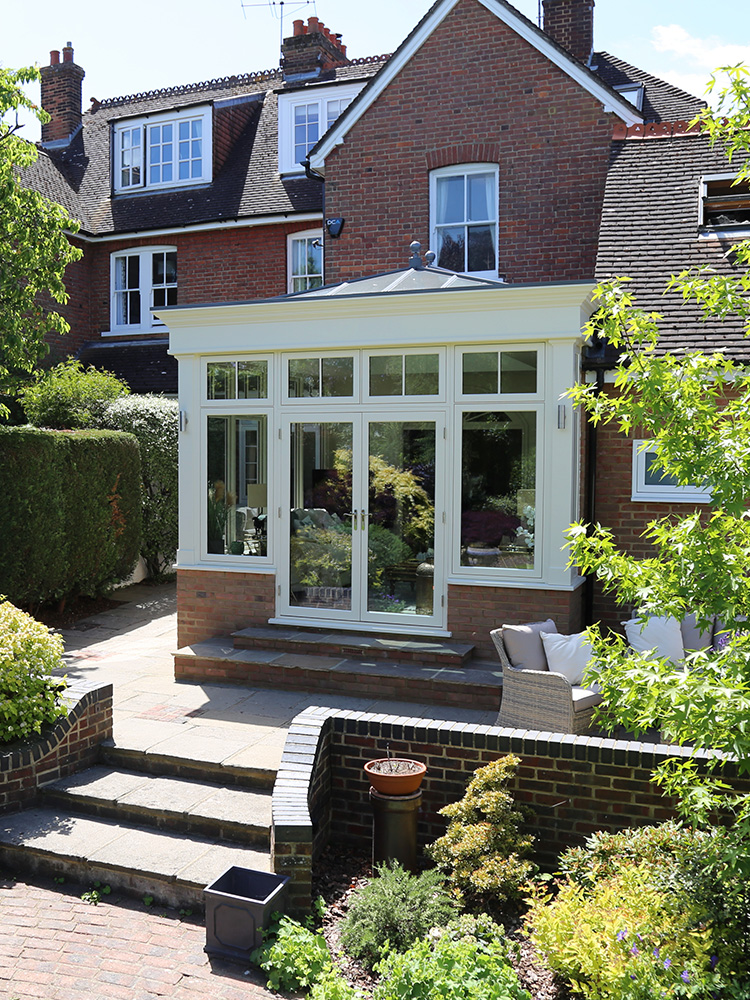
column 395, row 908
column 70, row 511
column 483, row 851
column 625, row 938
column 332, row 986
column 28, row 695
column 69, row 396
column 452, row 965
column 154, row 421
column 293, row 956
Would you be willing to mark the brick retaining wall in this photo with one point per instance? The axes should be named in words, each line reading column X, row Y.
column 574, row 784
column 70, row 745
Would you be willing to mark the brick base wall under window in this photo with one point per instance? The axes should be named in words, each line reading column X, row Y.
column 70, row 745
column 213, row 603
column 474, row 611
column 575, row 785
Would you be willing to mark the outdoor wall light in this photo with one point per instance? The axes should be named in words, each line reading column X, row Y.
column 334, row 227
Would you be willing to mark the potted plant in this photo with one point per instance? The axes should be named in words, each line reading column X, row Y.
column 395, row 775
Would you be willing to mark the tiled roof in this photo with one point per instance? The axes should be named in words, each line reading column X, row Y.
column 649, row 231
column 143, row 364
column 662, row 102
column 247, row 185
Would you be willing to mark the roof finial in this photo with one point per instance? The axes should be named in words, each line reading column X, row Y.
column 415, row 260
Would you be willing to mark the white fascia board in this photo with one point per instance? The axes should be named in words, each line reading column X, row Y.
column 203, row 227
column 518, row 315
column 610, row 101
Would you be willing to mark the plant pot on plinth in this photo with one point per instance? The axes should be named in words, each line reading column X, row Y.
column 395, row 776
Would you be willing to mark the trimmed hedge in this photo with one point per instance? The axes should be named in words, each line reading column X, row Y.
column 70, row 510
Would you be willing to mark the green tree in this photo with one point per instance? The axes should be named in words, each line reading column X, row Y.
column 695, row 408
column 34, row 246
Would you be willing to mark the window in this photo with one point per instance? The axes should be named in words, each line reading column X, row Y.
column 650, row 483
column 404, row 375
column 463, row 205
column 498, row 497
column 237, row 485
column 498, row 372
column 237, row 379
column 164, row 150
column 305, row 116
column 142, row 280
column 725, row 206
column 305, row 261
column 328, row 376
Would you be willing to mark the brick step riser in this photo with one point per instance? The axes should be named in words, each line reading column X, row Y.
column 228, row 671
column 170, row 822
column 177, row 767
column 167, row 892
column 354, row 652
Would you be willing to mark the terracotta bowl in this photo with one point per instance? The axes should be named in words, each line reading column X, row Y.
column 394, row 782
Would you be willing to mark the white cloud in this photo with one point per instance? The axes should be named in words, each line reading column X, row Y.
column 700, row 53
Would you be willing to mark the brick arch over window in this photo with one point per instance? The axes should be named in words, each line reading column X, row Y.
column 468, row 152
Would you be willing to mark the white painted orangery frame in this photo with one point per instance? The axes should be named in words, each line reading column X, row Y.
column 372, row 443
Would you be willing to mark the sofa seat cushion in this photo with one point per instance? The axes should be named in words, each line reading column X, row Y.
column 523, row 644
column 584, row 698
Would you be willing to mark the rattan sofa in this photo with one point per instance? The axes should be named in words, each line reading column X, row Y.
column 542, row 699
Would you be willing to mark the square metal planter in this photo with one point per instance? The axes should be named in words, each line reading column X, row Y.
column 239, row 905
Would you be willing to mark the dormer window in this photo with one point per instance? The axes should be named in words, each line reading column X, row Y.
column 304, row 116
column 171, row 149
column 725, row 205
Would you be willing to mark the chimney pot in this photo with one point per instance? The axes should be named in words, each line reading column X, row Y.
column 68, row 53
column 312, row 25
column 299, row 27
column 61, row 96
column 54, row 57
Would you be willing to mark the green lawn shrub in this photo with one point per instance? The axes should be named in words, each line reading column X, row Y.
column 29, row 696
column 395, row 908
column 484, row 851
column 293, row 956
column 70, row 506
column 154, row 421
column 70, row 396
column 459, row 962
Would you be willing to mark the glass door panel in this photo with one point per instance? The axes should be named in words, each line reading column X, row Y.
column 400, row 520
column 320, row 537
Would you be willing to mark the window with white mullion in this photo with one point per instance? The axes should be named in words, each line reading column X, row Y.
column 127, row 290
column 164, row 278
column 141, row 280
column 163, row 150
column 336, row 108
column 305, row 261
column 306, row 129
column 131, row 157
column 160, row 153
column 190, row 149
column 464, row 209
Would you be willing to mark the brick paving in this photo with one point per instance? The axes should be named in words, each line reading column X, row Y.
column 54, row 946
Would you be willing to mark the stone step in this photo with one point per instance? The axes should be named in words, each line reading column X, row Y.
column 179, row 805
column 460, row 685
column 149, row 762
column 172, row 868
column 427, row 651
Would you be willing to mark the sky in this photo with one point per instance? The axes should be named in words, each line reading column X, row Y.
column 148, row 44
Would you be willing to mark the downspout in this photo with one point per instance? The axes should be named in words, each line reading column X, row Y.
column 592, row 444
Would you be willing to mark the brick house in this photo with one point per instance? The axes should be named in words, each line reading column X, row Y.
column 390, row 451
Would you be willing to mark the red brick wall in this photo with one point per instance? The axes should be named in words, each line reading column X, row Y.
column 77, row 310
column 474, row 81
column 71, row 745
column 474, row 611
column 215, row 603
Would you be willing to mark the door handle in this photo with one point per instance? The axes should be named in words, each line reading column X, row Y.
column 353, row 515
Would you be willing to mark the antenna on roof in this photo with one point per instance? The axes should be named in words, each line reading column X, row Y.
column 276, row 8
column 539, row 13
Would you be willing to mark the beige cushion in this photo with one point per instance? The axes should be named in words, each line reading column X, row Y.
column 662, row 635
column 585, row 698
column 567, row 654
column 523, row 644
column 692, row 637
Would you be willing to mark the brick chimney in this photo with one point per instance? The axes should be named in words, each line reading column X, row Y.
column 311, row 51
column 571, row 24
column 61, row 96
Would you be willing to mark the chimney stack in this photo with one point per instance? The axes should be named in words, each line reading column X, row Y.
column 570, row 23
column 61, row 97
column 311, row 51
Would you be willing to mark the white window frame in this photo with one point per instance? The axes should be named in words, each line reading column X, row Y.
column 402, row 352
column 307, row 234
column 237, row 401
column 511, row 397
column 464, row 170
column 315, row 401
column 706, row 229
column 288, row 102
column 126, row 127
column 148, row 320
column 660, row 492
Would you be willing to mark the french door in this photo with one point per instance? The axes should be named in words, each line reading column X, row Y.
column 364, row 518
